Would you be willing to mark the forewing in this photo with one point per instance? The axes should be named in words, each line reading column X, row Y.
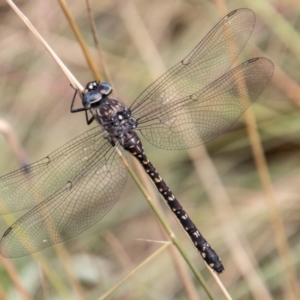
column 26, row 187
column 210, row 59
column 204, row 115
column 73, row 208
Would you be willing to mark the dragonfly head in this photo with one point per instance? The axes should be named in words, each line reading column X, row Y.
column 94, row 92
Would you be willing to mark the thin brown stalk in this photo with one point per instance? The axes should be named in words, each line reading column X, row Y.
column 103, row 65
column 80, row 39
column 65, row 70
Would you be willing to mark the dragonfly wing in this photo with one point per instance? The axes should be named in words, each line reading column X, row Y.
column 77, row 205
column 204, row 115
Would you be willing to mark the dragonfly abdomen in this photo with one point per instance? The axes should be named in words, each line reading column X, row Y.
column 133, row 144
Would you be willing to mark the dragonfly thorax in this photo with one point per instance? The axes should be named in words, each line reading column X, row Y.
column 115, row 117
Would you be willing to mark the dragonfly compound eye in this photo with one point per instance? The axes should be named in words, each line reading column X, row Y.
column 91, row 97
column 105, row 88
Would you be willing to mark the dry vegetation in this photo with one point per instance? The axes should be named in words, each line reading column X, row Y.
column 232, row 192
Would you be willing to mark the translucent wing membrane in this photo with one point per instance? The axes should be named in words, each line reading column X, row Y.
column 80, row 176
column 200, row 117
column 69, row 211
column 211, row 58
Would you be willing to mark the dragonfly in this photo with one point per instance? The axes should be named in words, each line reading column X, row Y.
column 192, row 103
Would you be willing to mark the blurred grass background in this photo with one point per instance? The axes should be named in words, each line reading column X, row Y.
column 140, row 38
